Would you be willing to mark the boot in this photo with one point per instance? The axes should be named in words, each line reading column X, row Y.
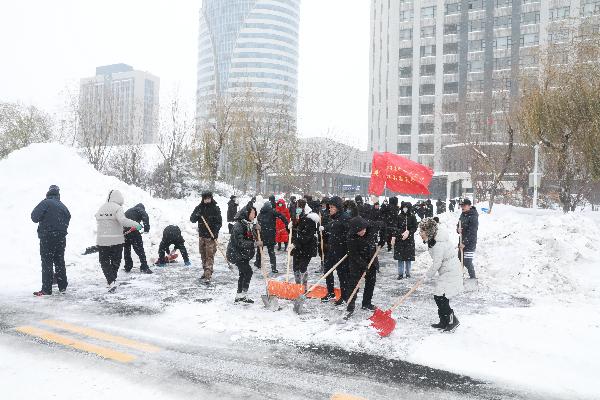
column 245, row 299
column 443, row 322
column 452, row 323
column 369, row 307
column 297, row 277
column 238, row 297
column 274, row 269
column 304, row 278
column 146, row 270
column 327, row 297
column 339, row 301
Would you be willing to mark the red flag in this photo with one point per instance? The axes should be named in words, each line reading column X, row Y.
column 377, row 182
column 399, row 174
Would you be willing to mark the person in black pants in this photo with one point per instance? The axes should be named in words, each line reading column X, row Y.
column 232, row 209
column 241, row 248
column 304, row 241
column 335, row 237
column 467, row 228
column 362, row 242
column 134, row 239
column 267, row 219
column 172, row 236
column 53, row 218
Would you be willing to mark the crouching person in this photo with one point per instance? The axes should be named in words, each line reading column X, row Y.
column 111, row 220
column 449, row 282
column 172, row 236
column 241, row 249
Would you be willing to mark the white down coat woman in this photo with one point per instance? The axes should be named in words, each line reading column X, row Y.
column 111, row 221
column 445, row 263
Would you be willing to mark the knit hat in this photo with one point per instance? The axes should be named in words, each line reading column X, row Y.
column 53, row 190
column 429, row 227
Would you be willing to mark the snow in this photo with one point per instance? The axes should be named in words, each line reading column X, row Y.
column 533, row 324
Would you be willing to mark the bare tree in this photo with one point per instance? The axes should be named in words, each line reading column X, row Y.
column 21, row 126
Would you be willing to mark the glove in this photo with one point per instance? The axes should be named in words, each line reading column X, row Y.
column 139, row 228
column 187, row 263
column 321, row 228
column 146, row 229
column 405, row 235
column 290, row 225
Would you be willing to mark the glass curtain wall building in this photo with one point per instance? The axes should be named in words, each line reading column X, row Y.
column 248, row 45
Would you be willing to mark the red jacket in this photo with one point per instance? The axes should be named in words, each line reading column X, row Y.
column 281, row 235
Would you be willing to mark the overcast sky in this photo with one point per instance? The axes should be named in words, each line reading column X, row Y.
column 46, row 46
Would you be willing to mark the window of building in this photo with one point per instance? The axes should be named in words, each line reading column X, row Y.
column 425, row 128
column 503, row 3
column 405, row 110
column 502, row 84
column 406, row 72
column 450, row 48
column 450, row 29
column 404, row 129
column 532, row 17
column 475, row 85
column 405, row 91
column 529, row 39
column 558, row 36
column 452, row 8
column 450, row 108
column 449, row 128
column 428, row 31
column 451, row 68
column 428, row 12
column 530, row 1
column 477, row 45
column 502, row 42
column 403, row 148
column 559, row 13
column 428, row 51
column 405, row 34
column 502, row 63
column 504, row 21
column 427, row 109
column 427, row 89
column 450, row 87
column 589, row 7
column 475, row 5
column 475, row 66
column 476, row 25
column 406, row 15
column 406, row 53
column 425, row 148
column 529, row 60
column 428, row 70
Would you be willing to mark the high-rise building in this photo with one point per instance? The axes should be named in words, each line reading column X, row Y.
column 440, row 68
column 248, row 45
column 120, row 105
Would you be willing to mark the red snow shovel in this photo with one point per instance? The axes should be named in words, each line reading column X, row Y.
column 382, row 321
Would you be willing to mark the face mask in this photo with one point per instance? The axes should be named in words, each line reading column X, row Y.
column 405, row 210
column 298, row 211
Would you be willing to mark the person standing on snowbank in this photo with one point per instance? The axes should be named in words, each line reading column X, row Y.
column 467, row 228
column 139, row 215
column 211, row 212
column 53, row 218
column 241, row 248
column 449, row 282
column 110, row 238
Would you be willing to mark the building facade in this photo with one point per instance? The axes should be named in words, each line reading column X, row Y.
column 248, row 45
column 443, row 68
column 120, row 104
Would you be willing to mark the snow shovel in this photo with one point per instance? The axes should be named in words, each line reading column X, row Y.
column 286, row 290
column 362, row 278
column 299, row 302
column 321, row 242
column 95, row 249
column 217, row 243
column 382, row 321
column 270, row 302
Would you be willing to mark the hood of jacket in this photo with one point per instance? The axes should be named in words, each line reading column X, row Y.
column 115, row 196
column 393, row 201
column 472, row 211
column 242, row 214
column 358, row 199
column 281, row 203
column 406, row 204
column 140, row 206
column 266, row 207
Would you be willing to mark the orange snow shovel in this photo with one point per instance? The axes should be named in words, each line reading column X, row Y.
column 286, row 290
column 300, row 300
column 382, row 321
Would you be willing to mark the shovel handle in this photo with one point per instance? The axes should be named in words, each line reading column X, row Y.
column 289, row 254
column 217, row 243
column 462, row 251
column 327, row 274
column 262, row 260
column 364, row 274
column 321, row 235
column 411, row 291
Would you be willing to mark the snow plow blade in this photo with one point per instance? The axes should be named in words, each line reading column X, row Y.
column 383, row 322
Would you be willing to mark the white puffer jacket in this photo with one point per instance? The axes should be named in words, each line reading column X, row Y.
column 446, row 264
column 111, row 220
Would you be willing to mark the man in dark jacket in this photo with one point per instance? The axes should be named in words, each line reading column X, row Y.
column 451, row 205
column 134, row 238
column 364, row 210
column 172, row 236
column 390, row 219
column 428, row 209
column 467, row 228
column 335, row 238
column 304, row 242
column 440, row 206
column 241, row 248
column 362, row 244
column 207, row 213
column 232, row 209
column 267, row 219
column 292, row 207
column 53, row 218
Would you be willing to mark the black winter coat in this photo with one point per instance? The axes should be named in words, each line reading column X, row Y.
column 212, row 213
column 390, row 216
column 429, row 210
column 335, row 235
column 139, row 215
column 267, row 218
column 404, row 250
column 470, row 225
column 304, row 236
column 52, row 215
column 232, row 209
column 361, row 248
column 171, row 235
column 241, row 245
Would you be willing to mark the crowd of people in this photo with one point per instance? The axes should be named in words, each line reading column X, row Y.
column 348, row 233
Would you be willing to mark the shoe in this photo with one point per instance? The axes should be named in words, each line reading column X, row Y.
column 187, row 263
column 339, row 302
column 274, row 270
column 247, row 300
column 238, row 297
column 407, row 276
column 112, row 287
column 452, row 323
column 400, row 277
column 369, row 307
column 62, row 291
column 41, row 293
column 127, row 269
column 443, row 322
column 146, row 271
column 327, row 297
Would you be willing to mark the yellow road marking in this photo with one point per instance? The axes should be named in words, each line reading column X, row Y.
column 101, row 335
column 343, row 396
column 76, row 344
